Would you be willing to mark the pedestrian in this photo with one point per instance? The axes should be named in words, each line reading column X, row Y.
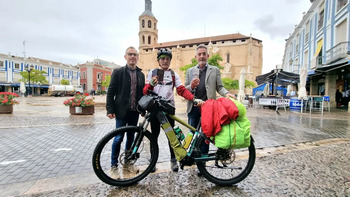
column 124, row 91
column 203, row 80
column 338, row 98
column 162, row 81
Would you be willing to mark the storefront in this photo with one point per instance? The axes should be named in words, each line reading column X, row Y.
column 335, row 78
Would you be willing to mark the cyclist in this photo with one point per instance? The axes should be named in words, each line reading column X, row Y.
column 162, row 81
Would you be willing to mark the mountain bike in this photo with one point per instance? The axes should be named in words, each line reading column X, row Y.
column 220, row 166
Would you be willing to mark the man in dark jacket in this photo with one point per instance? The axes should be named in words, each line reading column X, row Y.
column 124, row 91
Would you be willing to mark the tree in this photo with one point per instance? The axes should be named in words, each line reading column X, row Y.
column 233, row 84
column 65, row 82
column 230, row 84
column 249, row 84
column 36, row 76
column 106, row 82
column 213, row 60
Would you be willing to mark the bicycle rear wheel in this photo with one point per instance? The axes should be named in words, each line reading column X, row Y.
column 228, row 166
column 129, row 171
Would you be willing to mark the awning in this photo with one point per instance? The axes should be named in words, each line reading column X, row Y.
column 319, row 47
column 335, row 65
column 283, row 77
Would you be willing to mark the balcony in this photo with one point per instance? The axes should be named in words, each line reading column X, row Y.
column 339, row 51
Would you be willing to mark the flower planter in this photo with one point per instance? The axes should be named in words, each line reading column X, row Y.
column 6, row 109
column 73, row 110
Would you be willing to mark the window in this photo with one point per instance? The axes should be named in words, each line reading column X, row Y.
column 149, row 39
column 1, row 64
column 66, row 73
column 99, row 77
column 320, row 20
column 341, row 30
column 228, row 58
column 143, row 39
column 341, row 4
column 149, row 24
column 143, row 23
column 155, row 26
column 16, row 65
column 307, row 30
column 297, row 44
column 56, row 70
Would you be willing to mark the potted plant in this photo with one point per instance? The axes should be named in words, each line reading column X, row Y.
column 7, row 101
column 80, row 104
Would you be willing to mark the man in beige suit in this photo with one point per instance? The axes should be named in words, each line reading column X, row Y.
column 203, row 80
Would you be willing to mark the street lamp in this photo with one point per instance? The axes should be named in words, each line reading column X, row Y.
column 29, row 69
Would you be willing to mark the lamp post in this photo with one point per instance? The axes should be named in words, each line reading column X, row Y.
column 29, row 69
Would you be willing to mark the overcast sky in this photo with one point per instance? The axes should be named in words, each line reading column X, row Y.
column 76, row 31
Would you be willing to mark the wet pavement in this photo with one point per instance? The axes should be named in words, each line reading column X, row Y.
column 47, row 152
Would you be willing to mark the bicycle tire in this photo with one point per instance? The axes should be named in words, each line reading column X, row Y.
column 148, row 156
column 231, row 174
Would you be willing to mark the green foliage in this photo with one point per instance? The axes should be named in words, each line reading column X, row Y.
column 213, row 60
column 186, row 67
column 233, row 84
column 36, row 76
column 105, row 83
column 230, row 84
column 65, row 82
column 249, row 84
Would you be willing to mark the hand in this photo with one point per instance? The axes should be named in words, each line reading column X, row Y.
column 194, row 83
column 198, row 102
column 154, row 81
column 111, row 116
column 231, row 95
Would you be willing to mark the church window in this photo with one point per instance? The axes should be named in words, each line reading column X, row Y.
column 143, row 23
column 149, row 24
column 143, row 39
column 149, row 39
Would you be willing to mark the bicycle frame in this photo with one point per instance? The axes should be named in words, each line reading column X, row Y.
column 167, row 127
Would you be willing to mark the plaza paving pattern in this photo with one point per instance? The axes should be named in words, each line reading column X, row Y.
column 42, row 142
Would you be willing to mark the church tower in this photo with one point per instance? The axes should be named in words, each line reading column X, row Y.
column 148, row 34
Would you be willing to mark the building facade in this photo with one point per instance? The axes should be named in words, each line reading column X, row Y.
column 93, row 73
column 320, row 42
column 11, row 66
column 238, row 51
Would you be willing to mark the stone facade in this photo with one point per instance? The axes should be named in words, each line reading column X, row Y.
column 237, row 51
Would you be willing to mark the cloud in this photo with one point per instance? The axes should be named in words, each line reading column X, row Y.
column 266, row 25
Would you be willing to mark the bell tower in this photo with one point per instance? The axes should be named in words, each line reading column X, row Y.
column 148, row 34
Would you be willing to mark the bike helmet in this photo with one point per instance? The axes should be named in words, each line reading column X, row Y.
column 164, row 51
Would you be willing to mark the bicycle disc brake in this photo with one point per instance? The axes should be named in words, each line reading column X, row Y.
column 128, row 158
column 225, row 156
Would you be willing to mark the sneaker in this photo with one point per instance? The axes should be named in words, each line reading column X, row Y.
column 174, row 166
column 114, row 172
column 131, row 168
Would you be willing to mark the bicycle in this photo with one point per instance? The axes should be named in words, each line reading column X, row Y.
column 220, row 166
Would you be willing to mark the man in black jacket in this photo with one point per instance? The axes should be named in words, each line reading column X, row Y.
column 124, row 91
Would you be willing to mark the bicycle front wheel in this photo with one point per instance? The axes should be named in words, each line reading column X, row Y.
column 133, row 164
column 227, row 166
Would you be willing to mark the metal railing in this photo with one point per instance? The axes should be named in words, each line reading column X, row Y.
column 339, row 51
